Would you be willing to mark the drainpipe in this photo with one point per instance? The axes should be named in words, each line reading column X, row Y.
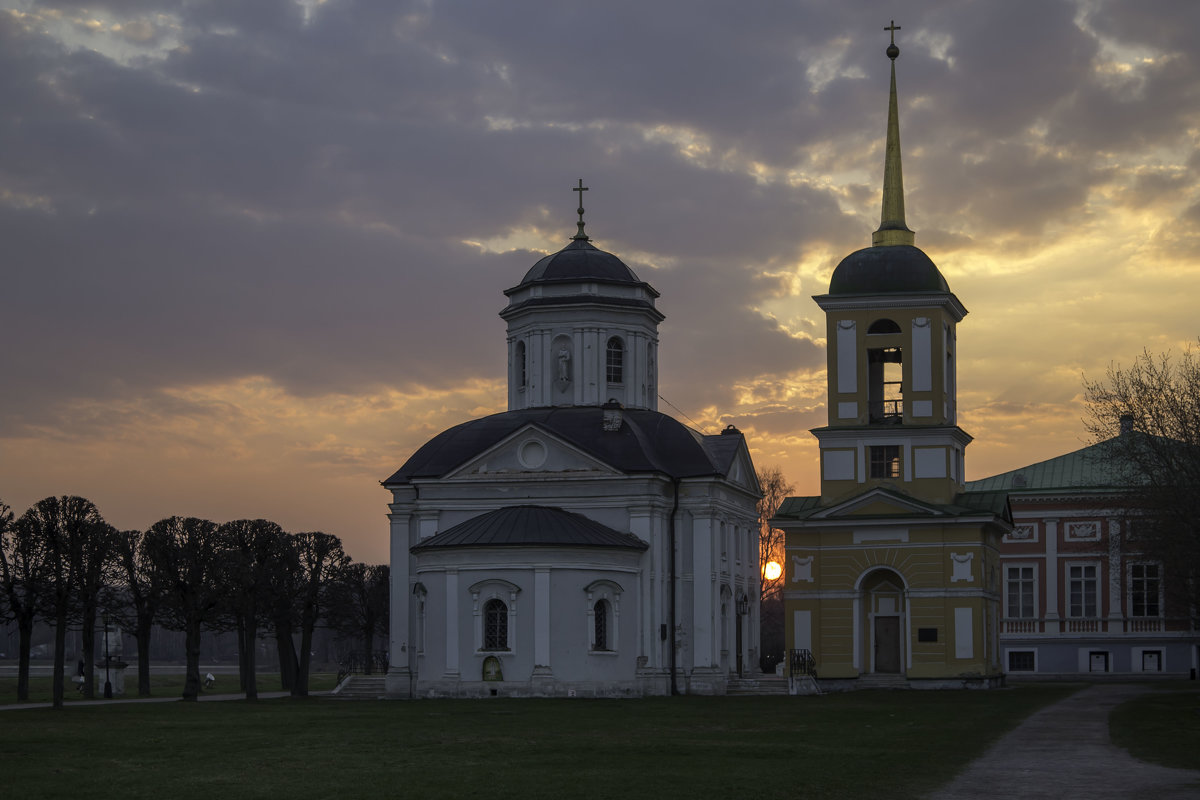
column 671, row 581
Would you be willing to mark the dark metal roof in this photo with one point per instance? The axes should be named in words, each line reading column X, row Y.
column 887, row 269
column 581, row 261
column 531, row 526
column 647, row 441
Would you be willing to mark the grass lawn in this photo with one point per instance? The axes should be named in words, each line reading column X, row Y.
column 1162, row 727
column 170, row 685
column 863, row 744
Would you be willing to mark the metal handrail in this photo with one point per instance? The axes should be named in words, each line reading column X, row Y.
column 801, row 662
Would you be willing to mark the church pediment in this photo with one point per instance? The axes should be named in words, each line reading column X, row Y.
column 879, row 503
column 531, row 450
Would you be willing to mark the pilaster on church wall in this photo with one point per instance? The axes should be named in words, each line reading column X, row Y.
column 400, row 586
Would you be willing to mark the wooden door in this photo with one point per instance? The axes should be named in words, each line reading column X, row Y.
column 887, row 644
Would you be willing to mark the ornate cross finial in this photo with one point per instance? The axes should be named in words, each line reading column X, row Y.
column 581, row 189
column 892, row 50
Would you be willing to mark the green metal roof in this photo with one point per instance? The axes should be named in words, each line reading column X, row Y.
column 1096, row 466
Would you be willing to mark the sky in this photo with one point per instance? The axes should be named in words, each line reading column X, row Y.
column 253, row 252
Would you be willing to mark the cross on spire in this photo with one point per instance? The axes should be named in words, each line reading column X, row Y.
column 892, row 50
column 581, row 189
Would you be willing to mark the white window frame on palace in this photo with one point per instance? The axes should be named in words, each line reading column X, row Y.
column 1033, row 580
column 506, row 593
column 610, row 593
column 1130, row 594
column 1009, row 651
column 1098, row 588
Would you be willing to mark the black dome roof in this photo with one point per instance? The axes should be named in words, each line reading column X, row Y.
column 887, row 269
column 647, row 441
column 580, row 261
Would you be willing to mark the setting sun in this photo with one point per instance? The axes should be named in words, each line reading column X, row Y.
column 772, row 570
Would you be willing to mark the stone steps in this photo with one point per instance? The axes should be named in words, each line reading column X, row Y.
column 362, row 687
column 758, row 685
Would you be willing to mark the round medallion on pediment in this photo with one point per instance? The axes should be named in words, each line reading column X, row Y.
column 532, row 454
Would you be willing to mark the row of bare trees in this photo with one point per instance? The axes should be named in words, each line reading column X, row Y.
column 62, row 563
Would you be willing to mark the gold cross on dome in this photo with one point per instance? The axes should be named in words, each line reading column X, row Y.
column 893, row 28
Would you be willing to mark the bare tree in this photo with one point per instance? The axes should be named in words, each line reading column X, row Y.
column 775, row 489
column 283, row 609
column 66, row 525
column 252, row 554
column 137, row 596
column 1147, row 416
column 186, row 555
column 22, row 582
column 93, row 551
column 358, row 604
column 320, row 556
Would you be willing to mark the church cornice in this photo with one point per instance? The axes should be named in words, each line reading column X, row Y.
column 872, row 302
column 582, row 301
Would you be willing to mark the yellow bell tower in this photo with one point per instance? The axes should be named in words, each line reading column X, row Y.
column 890, row 328
column 892, row 573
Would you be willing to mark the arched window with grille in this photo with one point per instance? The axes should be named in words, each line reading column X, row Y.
column 615, row 361
column 600, row 623
column 495, row 625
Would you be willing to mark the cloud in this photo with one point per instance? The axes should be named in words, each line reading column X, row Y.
column 326, row 201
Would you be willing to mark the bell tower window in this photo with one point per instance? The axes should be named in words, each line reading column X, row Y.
column 615, row 361
column 885, row 461
column 884, row 388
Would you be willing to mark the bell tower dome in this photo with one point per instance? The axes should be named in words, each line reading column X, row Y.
column 582, row 330
column 890, row 328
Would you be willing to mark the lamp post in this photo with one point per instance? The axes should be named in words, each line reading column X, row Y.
column 107, row 681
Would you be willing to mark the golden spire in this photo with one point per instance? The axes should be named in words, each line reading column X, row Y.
column 892, row 228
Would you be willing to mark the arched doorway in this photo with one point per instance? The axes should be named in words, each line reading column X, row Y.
column 885, row 610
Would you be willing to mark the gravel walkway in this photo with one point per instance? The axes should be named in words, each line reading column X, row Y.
column 1063, row 751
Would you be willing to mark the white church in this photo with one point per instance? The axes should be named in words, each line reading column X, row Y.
column 580, row 543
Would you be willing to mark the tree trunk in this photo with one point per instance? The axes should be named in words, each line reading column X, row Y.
column 25, row 631
column 241, row 645
column 250, row 679
column 306, row 634
column 60, row 647
column 145, row 625
column 191, row 681
column 287, row 657
column 88, row 636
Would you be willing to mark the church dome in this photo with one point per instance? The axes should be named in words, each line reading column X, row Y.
column 887, row 270
column 580, row 261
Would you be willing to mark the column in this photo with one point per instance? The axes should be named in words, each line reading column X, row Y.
column 640, row 521
column 1115, row 568
column 704, row 643
column 400, row 666
column 1050, row 531
column 452, row 623
column 578, row 367
column 541, row 621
